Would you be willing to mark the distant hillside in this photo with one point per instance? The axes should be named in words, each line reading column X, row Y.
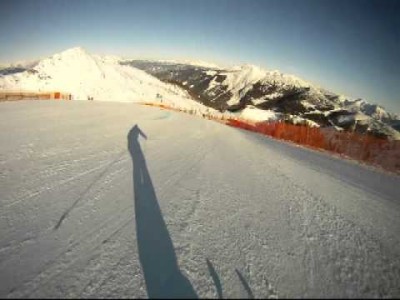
column 280, row 95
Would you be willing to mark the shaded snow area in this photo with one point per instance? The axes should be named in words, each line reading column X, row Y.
column 106, row 199
column 84, row 75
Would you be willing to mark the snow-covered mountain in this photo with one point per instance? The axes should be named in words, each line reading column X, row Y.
column 20, row 64
column 183, row 62
column 17, row 67
column 272, row 94
column 84, row 75
column 247, row 91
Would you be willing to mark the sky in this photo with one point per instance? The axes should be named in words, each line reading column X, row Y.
column 348, row 47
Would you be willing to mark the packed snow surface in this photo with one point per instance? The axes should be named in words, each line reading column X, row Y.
column 90, row 208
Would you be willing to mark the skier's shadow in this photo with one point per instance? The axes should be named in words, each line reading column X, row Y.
column 156, row 252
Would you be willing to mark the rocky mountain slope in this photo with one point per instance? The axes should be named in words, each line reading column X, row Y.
column 284, row 96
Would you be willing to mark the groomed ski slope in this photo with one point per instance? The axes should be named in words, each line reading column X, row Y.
column 216, row 211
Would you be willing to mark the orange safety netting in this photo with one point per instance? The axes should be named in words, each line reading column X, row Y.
column 362, row 147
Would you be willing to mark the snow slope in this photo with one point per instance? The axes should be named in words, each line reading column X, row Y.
column 219, row 210
column 85, row 75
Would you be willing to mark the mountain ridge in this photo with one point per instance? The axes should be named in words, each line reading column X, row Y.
column 244, row 90
column 86, row 75
column 248, row 86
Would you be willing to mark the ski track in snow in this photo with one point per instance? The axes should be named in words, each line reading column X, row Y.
column 247, row 215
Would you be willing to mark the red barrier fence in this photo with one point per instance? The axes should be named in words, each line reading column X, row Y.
column 366, row 148
column 34, row 95
column 362, row 147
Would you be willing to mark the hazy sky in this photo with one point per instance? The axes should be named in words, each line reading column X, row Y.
column 350, row 46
